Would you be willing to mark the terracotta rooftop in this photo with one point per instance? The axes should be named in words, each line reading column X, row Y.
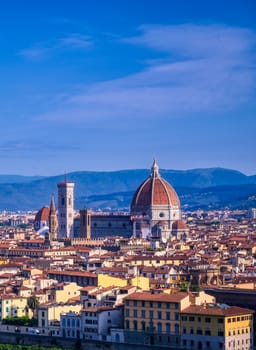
column 216, row 309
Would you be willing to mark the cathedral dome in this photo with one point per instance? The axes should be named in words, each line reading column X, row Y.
column 41, row 218
column 43, row 214
column 154, row 191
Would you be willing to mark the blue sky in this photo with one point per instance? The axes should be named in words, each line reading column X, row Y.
column 108, row 85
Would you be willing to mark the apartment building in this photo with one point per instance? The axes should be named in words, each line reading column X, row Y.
column 154, row 319
column 216, row 326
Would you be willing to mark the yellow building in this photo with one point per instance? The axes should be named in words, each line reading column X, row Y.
column 49, row 314
column 154, row 319
column 216, row 326
column 62, row 292
column 105, row 281
column 11, row 306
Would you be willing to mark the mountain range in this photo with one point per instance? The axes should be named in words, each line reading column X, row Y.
column 214, row 188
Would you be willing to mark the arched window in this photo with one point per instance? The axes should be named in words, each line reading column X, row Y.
column 168, row 328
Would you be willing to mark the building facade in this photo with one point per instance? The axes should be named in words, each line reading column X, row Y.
column 154, row 319
column 217, row 326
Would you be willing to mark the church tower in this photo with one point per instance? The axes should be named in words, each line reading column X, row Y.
column 66, row 209
column 85, row 223
column 53, row 222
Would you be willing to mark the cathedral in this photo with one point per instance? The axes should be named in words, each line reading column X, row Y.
column 155, row 214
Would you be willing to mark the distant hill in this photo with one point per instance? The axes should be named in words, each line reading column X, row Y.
column 214, row 187
column 18, row 178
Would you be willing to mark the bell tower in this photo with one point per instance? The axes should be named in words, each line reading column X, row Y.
column 66, row 209
column 53, row 222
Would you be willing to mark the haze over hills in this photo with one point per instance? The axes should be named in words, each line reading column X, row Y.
column 197, row 188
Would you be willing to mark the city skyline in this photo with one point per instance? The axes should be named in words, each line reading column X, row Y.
column 94, row 85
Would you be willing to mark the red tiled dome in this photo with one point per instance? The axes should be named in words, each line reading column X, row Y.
column 179, row 225
column 43, row 214
column 154, row 191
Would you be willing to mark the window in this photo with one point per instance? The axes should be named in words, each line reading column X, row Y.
column 159, row 315
column 168, row 315
column 143, row 313
column 135, row 302
column 184, row 330
column 127, row 312
column 207, row 320
column 199, row 319
column 135, row 313
column 176, row 328
column 151, row 314
column 143, row 325
column 168, row 328
column 127, row 324
column 159, row 327
column 191, row 318
column 220, row 333
column 176, row 316
column 159, row 305
column 220, row 320
column 135, row 325
column 143, row 303
column 199, row 331
column 207, row 332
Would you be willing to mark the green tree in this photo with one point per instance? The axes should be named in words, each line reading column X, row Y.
column 32, row 304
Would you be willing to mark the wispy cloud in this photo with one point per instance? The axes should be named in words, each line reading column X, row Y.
column 22, row 147
column 44, row 50
column 203, row 69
